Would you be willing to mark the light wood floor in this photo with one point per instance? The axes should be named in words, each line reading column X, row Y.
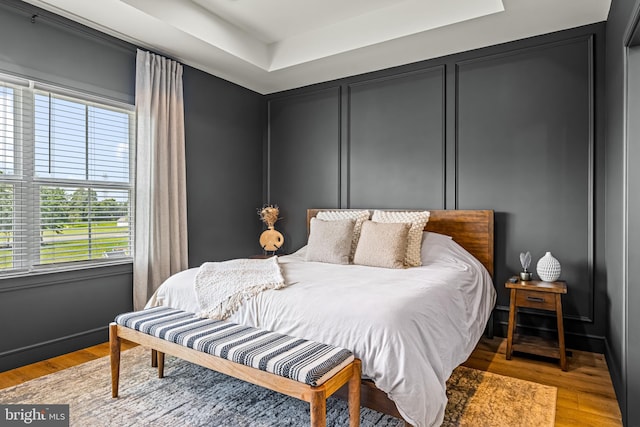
column 585, row 393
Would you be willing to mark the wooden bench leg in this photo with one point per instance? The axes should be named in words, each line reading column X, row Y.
column 318, row 409
column 160, row 361
column 154, row 358
column 114, row 347
column 354, row 394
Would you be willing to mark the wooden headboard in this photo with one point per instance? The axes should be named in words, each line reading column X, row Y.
column 471, row 229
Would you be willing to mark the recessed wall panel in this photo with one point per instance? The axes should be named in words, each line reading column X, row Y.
column 304, row 159
column 396, row 141
column 524, row 149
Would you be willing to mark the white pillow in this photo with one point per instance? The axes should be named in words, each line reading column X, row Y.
column 330, row 241
column 359, row 216
column 382, row 245
column 432, row 245
column 418, row 220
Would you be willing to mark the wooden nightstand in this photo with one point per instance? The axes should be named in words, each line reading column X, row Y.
column 542, row 296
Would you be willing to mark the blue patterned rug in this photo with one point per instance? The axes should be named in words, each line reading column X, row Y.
column 193, row 396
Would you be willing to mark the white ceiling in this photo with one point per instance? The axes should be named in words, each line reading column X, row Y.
column 273, row 45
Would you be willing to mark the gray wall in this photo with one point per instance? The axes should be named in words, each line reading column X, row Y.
column 304, row 158
column 55, row 50
column 224, row 127
column 50, row 314
column 618, row 18
column 623, row 295
column 633, row 238
column 512, row 128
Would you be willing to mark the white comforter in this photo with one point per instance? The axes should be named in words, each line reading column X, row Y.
column 409, row 327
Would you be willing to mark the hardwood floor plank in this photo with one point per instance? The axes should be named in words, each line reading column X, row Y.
column 573, row 418
column 568, row 399
column 11, row 378
column 597, row 405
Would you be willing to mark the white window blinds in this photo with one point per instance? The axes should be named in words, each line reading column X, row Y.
column 66, row 180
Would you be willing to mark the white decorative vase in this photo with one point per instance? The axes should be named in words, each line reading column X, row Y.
column 548, row 268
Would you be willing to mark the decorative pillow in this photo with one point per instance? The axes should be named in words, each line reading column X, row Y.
column 414, row 242
column 330, row 241
column 382, row 245
column 358, row 216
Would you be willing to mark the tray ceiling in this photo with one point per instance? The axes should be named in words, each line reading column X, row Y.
column 274, row 45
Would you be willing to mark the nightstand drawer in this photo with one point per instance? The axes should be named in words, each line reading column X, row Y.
column 534, row 299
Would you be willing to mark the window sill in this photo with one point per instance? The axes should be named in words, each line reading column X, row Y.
column 58, row 275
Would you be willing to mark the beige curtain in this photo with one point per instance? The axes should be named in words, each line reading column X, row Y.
column 161, row 203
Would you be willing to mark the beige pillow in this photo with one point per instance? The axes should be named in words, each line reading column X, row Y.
column 382, row 245
column 359, row 216
column 330, row 241
column 418, row 220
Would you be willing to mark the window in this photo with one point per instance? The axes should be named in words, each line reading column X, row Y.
column 66, row 179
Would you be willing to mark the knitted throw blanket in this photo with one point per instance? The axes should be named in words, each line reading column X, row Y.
column 222, row 286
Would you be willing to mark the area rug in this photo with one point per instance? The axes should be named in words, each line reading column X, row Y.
column 193, row 396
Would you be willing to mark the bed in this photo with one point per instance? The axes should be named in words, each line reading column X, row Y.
column 410, row 327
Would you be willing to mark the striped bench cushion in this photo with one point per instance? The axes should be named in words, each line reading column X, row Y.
column 302, row 360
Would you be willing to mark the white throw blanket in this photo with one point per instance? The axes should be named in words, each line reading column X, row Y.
column 222, row 286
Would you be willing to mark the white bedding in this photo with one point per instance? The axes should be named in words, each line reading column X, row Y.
column 410, row 327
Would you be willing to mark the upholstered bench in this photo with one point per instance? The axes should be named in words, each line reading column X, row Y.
column 300, row 368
